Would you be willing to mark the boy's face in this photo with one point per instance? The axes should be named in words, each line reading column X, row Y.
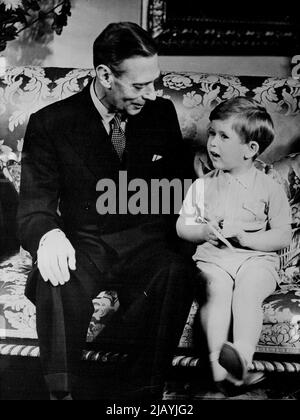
column 225, row 147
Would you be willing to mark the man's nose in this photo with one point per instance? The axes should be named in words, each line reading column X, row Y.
column 149, row 92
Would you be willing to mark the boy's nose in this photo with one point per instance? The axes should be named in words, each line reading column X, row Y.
column 213, row 141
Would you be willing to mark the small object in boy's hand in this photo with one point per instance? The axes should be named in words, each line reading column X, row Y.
column 200, row 219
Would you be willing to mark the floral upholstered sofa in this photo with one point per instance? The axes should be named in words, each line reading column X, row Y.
column 27, row 89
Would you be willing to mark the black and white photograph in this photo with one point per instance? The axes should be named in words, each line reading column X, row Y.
column 149, row 203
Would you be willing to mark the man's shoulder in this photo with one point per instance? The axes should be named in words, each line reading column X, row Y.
column 160, row 104
column 62, row 107
column 160, row 111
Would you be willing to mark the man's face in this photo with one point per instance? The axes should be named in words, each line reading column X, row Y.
column 130, row 91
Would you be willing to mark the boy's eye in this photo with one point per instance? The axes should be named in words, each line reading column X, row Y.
column 211, row 132
column 224, row 136
column 138, row 87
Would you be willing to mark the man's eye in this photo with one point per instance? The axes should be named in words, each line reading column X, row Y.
column 138, row 87
column 224, row 137
column 211, row 133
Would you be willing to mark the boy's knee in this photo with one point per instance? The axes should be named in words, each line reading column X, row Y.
column 255, row 279
column 219, row 286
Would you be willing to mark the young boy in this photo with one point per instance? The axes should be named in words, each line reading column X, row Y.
column 252, row 214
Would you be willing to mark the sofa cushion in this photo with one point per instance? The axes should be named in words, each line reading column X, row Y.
column 289, row 170
column 280, row 333
column 281, row 327
column 17, row 313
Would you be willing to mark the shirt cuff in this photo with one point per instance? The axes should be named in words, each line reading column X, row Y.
column 44, row 237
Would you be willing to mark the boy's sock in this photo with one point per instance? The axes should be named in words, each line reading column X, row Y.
column 218, row 372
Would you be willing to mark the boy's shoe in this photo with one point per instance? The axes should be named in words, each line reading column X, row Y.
column 227, row 388
column 234, row 362
column 60, row 396
column 211, row 395
column 253, row 378
column 232, row 388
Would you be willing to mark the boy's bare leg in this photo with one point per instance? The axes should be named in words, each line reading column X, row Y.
column 254, row 283
column 216, row 314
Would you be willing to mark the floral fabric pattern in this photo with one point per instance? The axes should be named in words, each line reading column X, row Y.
column 281, row 328
column 24, row 90
column 17, row 313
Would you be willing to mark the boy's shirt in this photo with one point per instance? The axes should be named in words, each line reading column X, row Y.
column 252, row 201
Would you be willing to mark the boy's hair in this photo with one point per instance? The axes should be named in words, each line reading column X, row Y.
column 252, row 123
column 120, row 41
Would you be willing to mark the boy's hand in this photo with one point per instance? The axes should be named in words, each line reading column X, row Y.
column 239, row 236
column 208, row 235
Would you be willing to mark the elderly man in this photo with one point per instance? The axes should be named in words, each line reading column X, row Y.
column 116, row 125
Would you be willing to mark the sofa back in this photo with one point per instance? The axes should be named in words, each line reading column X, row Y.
column 24, row 90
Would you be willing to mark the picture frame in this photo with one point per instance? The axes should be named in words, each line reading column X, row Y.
column 196, row 29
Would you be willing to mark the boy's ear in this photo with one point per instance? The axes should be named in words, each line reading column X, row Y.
column 104, row 75
column 251, row 150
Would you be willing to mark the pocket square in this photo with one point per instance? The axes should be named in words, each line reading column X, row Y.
column 156, row 157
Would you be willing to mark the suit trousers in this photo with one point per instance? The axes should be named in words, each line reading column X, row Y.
column 155, row 288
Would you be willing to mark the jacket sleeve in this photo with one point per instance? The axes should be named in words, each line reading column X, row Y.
column 39, row 190
column 180, row 167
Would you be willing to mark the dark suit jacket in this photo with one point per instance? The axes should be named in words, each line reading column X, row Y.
column 67, row 151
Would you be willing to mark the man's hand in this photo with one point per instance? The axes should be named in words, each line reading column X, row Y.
column 55, row 257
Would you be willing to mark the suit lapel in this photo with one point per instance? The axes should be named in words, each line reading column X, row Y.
column 141, row 137
column 93, row 146
column 89, row 138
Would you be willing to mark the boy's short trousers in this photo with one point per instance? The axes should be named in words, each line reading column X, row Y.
column 232, row 261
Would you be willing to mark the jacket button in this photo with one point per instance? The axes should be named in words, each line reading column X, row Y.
column 87, row 205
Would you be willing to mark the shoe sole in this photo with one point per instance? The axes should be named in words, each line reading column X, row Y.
column 254, row 378
column 231, row 360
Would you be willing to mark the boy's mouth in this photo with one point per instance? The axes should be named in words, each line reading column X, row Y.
column 214, row 155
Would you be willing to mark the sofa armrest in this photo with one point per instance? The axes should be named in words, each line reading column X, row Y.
column 290, row 253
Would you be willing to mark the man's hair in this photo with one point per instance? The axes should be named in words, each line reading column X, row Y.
column 252, row 121
column 120, row 41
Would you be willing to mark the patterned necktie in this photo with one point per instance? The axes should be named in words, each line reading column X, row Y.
column 118, row 138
